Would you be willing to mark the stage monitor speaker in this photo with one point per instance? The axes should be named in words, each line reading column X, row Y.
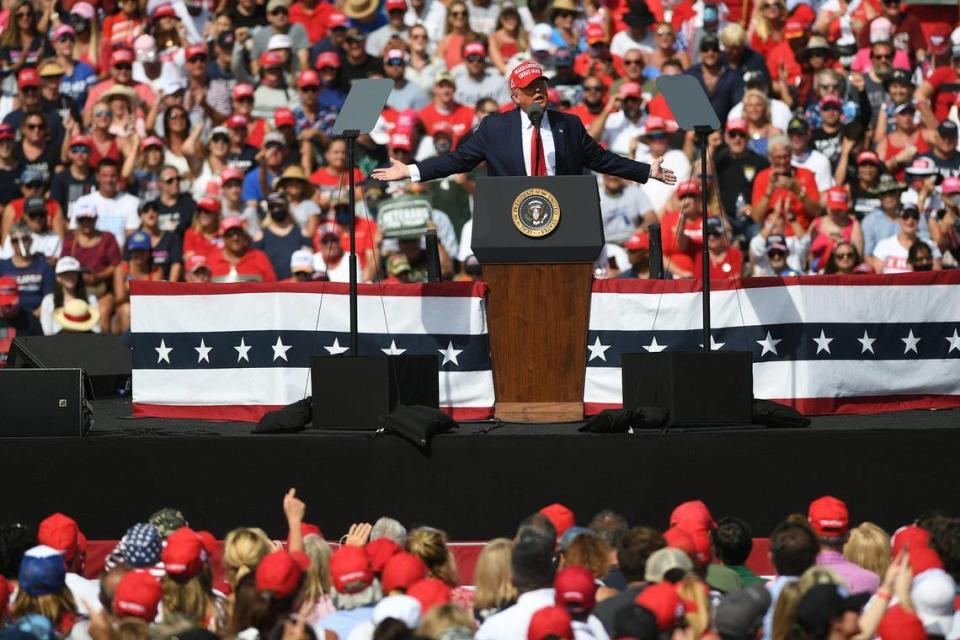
column 106, row 360
column 696, row 388
column 44, row 403
column 350, row 392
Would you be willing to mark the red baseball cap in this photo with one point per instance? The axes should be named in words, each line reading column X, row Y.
column 280, row 572
column 401, row 571
column 396, row 5
column 401, row 140
column 307, row 529
column 692, row 514
column 830, row 99
column 868, row 156
column 924, row 558
column 595, row 33
column 738, row 124
column 395, row 54
column 308, row 78
column 575, row 590
column 184, row 555
column 630, row 90
column 560, row 516
column 639, row 240
column 9, row 292
column 475, row 49
column 950, row 185
column 350, row 569
column 939, row 37
column 60, row 532
column 138, row 594
column 550, row 622
column 380, row 551
column 838, row 199
column 407, row 121
column 654, row 123
column 430, row 593
column 284, row 117
column 164, row 11
column 232, row 222
column 525, row 73
column 688, row 188
column 28, row 77
column 7, row 132
column 679, row 539
column 121, row 55
column 195, row 262
column 663, row 601
column 209, row 203
column 242, row 90
column 237, row 121
column 338, row 20
column 829, row 517
column 194, row 50
column 899, row 624
column 231, row 173
column 272, row 58
column 794, row 29
column 909, row 537
column 150, row 141
column 328, row 59
column 81, row 139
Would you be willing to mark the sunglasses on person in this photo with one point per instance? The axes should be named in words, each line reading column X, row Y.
column 197, row 58
column 777, row 253
column 244, row 99
column 79, row 148
column 458, row 14
column 565, row 14
column 274, row 145
column 123, row 66
column 773, row 5
column 844, row 256
column 171, row 180
column 664, row 32
column 632, row 63
column 830, row 107
column 474, row 58
column 737, row 134
column 909, row 111
column 35, row 126
column 230, row 184
column 653, row 137
column 29, row 89
column 830, row 87
column 34, row 185
column 705, row 48
column 881, row 56
column 280, row 11
column 910, row 214
column 221, row 138
column 66, row 38
column 593, row 88
column 24, row 14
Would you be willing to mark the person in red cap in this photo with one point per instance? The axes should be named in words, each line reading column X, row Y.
column 475, row 80
column 138, row 595
column 430, row 593
column 206, row 99
column 396, row 27
column 238, row 261
column 405, row 94
column 838, row 225
column 356, row 590
column 187, row 583
column 401, row 571
column 575, row 589
column 203, row 238
column 767, row 25
column 279, row 22
column 551, row 623
column 830, row 522
column 638, row 252
column 737, row 166
column 557, row 145
column 121, row 73
column 272, row 91
column 559, row 516
column 320, row 103
column 12, row 315
column 680, row 247
column 61, row 532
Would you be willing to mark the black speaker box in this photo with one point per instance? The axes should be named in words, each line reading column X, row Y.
column 44, row 402
column 106, row 360
column 350, row 392
column 696, row 388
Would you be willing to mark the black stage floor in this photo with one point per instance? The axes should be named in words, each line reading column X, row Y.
column 479, row 482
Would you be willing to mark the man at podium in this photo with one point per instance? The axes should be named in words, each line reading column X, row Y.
column 528, row 141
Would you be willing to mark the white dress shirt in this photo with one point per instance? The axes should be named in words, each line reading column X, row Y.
column 526, row 127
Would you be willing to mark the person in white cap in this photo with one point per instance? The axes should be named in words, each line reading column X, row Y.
column 301, row 266
column 67, row 286
column 149, row 69
column 278, row 15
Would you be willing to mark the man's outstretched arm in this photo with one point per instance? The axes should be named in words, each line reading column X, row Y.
column 598, row 159
column 465, row 158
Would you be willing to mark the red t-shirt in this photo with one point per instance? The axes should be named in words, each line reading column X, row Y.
column 51, row 205
column 807, row 182
column 782, row 54
column 461, row 119
column 584, row 65
column 580, row 110
column 729, row 269
column 105, row 253
column 365, row 233
column 946, row 90
column 253, row 263
column 672, row 255
column 195, row 243
column 329, row 181
column 658, row 107
column 255, row 132
column 113, row 152
column 314, row 21
column 764, row 47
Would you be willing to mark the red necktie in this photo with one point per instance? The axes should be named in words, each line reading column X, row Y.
column 538, row 164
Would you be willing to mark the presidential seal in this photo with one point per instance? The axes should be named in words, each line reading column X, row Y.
column 536, row 213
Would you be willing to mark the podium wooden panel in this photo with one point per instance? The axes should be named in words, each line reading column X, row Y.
column 538, row 317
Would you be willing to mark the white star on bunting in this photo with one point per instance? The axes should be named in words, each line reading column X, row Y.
column 954, row 341
column 769, row 345
column 653, row 347
column 823, row 342
column 598, row 350
column 866, row 343
column 450, row 354
column 714, row 345
column 392, row 350
column 203, row 352
column 280, row 350
column 242, row 351
column 335, row 349
column 163, row 352
column 910, row 343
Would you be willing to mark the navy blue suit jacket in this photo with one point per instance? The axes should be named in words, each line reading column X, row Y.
column 497, row 140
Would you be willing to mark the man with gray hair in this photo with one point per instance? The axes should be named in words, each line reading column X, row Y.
column 783, row 188
column 391, row 529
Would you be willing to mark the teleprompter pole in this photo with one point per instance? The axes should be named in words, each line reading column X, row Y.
column 704, row 133
column 351, row 138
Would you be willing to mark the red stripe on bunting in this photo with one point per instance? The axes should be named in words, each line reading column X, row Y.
column 464, row 289
column 253, row 412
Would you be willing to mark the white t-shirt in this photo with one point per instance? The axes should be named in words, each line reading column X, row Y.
column 623, row 42
column 893, row 255
column 622, row 212
column 49, row 244
column 780, row 113
column 512, row 623
column 466, row 241
column 618, row 131
column 340, row 273
column 84, row 590
column 118, row 215
column 817, row 163
column 659, row 193
column 797, row 251
column 48, row 322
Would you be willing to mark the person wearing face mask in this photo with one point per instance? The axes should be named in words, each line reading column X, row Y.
column 43, row 239
column 281, row 235
column 920, row 257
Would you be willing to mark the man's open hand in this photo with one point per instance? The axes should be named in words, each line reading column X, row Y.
column 662, row 174
column 396, row 171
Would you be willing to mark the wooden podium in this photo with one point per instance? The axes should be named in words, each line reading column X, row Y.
column 538, row 306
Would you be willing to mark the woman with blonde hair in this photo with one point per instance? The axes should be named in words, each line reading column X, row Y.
column 430, row 545
column 442, row 619
column 43, row 589
column 242, row 551
column 187, row 585
column 493, row 580
column 756, row 111
column 317, row 583
column 817, row 575
column 456, row 32
column 693, row 590
column 509, row 38
column 766, row 25
column 869, row 547
column 785, row 611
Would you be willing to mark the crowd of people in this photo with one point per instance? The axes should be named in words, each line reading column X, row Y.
column 553, row 580
column 187, row 140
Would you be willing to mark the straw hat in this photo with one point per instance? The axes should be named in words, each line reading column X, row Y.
column 76, row 315
column 295, row 172
column 360, row 9
column 564, row 5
